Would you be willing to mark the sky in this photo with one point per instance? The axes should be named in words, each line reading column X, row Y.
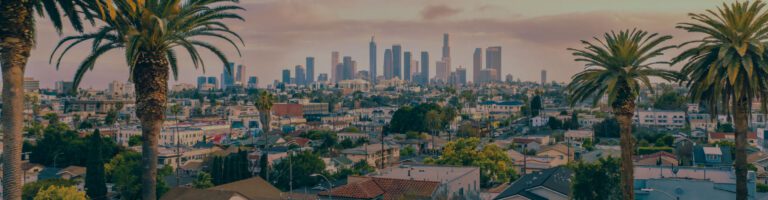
column 280, row 34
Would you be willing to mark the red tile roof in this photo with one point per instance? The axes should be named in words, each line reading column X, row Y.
column 655, row 155
column 389, row 189
column 720, row 135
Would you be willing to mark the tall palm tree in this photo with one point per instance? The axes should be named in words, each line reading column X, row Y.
column 616, row 67
column 263, row 103
column 17, row 37
column 149, row 31
column 726, row 69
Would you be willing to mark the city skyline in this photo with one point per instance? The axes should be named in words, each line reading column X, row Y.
column 524, row 29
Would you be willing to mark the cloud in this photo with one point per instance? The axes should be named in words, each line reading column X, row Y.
column 433, row 12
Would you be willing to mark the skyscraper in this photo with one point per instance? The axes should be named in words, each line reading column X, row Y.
column 322, row 77
column 493, row 61
column 201, row 80
column 227, row 80
column 286, row 76
column 388, row 71
column 300, row 76
column 397, row 61
column 253, row 82
column 407, row 66
column 212, row 80
column 349, row 72
column 414, row 70
column 441, row 71
column 477, row 65
column 424, row 68
column 334, row 65
column 240, row 76
column 446, row 46
column 372, row 59
column 310, row 70
column 543, row 77
column 461, row 76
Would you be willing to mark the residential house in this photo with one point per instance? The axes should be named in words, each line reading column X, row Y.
column 252, row 188
column 579, row 136
column 376, row 188
column 552, row 184
column 715, row 137
column 662, row 158
column 558, row 154
column 666, row 182
column 373, row 154
column 181, row 193
column 459, row 181
column 712, row 156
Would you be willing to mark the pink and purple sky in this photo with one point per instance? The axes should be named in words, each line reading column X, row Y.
column 279, row 34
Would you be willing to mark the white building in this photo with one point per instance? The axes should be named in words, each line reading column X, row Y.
column 660, row 118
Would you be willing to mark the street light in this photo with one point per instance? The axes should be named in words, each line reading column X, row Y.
column 330, row 196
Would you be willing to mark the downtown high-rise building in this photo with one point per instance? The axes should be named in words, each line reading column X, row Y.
column 424, row 68
column 372, row 60
column 253, row 82
column 477, row 65
column 414, row 70
column 388, row 68
column 240, row 75
column 348, row 68
column 286, row 76
column 493, row 61
column 201, row 80
column 213, row 81
column 300, row 75
column 227, row 79
column 446, row 46
column 461, row 76
column 334, row 66
column 442, row 72
column 397, row 61
column 543, row 78
column 322, row 77
column 407, row 66
column 310, row 70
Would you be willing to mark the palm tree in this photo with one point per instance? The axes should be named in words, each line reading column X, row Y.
column 264, row 103
column 149, row 31
column 726, row 69
column 17, row 37
column 616, row 67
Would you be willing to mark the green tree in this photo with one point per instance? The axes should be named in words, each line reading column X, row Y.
column 31, row 189
column 536, row 105
column 17, row 37
column 617, row 66
column 202, row 181
column 125, row 169
column 601, row 180
column 148, row 32
column 554, row 123
column 725, row 127
column 670, row 100
column 495, row 166
column 134, row 140
column 607, row 128
column 408, row 151
column 264, row 103
column 111, row 117
column 95, row 181
column 60, row 193
column 303, row 164
column 725, row 69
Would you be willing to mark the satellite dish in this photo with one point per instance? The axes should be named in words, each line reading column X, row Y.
column 675, row 170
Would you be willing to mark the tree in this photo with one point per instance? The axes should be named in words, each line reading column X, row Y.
column 230, row 168
column 536, row 105
column 125, row 170
column 31, row 189
column 95, row 181
column 607, row 128
column 149, row 31
column 495, row 166
column 134, row 140
column 600, row 180
column 202, row 181
column 670, row 100
column 111, row 117
column 408, row 151
column 17, row 37
column 56, row 193
column 617, row 66
column 725, row 127
column 554, row 123
column 725, row 69
column 264, row 103
column 303, row 165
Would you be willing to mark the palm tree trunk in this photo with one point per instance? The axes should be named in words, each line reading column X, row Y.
column 16, row 39
column 624, row 116
column 151, row 82
column 740, row 117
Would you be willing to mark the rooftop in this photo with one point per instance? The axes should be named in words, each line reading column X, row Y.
column 425, row 172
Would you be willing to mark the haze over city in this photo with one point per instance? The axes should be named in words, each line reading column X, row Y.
column 279, row 34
